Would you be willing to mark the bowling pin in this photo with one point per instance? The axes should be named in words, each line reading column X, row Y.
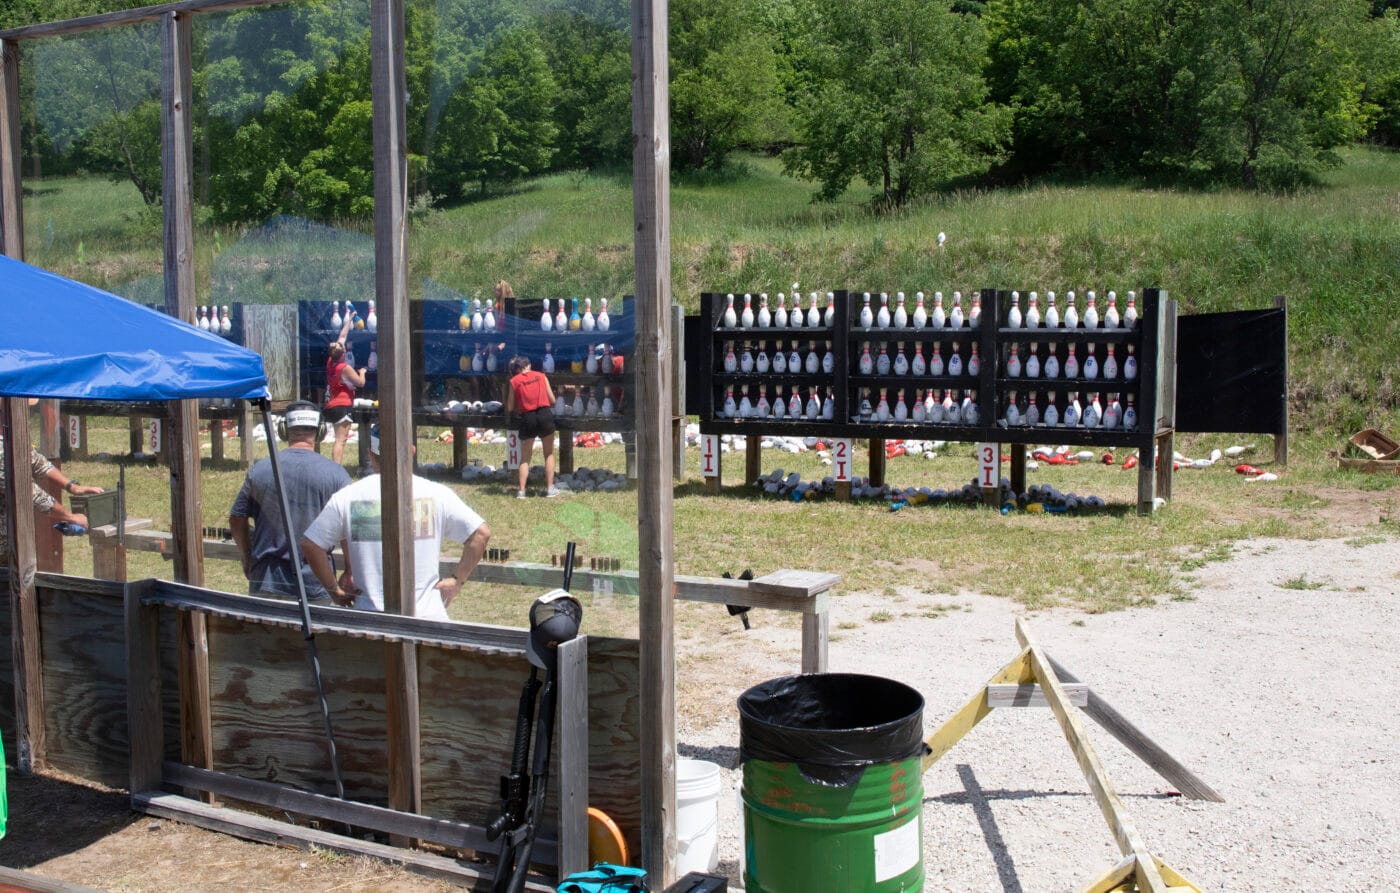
column 336, row 320
column 760, row 360
column 933, row 409
column 765, row 316
column 1051, row 416
column 920, row 318
column 1013, row 364
column 952, row 409
column 547, row 364
column 1111, row 413
column 779, row 404
column 1052, row 315
column 882, row 318
column 814, row 316
column 1071, row 418
column 795, row 314
column 607, row 409
column 974, row 362
column 1110, row 364
column 1032, row 363
column 578, row 407
column 974, row 316
column 1130, row 369
column 1130, row 315
column 918, row 365
column 938, row 319
column 829, row 315
column 900, row 365
column 372, row 364
column 590, row 365
column 478, row 318
column 780, row 363
column 882, row 362
column 203, row 321
column 901, row 410
column 882, row 411
column 780, row 316
column 479, row 360
column 814, row 409
column 955, row 316
column 546, row 318
column 867, row 318
column 828, row 360
column 901, row 316
column 490, row 358
column 935, row 363
column 1110, row 314
column 1013, row 318
column 814, row 362
column 829, row 406
column 1129, row 416
column 919, row 414
column 866, row 364
column 1071, row 314
column 604, row 323
column 1032, row 416
column 955, row 361
column 1091, row 314
column 1013, row 413
column 730, row 407
column 746, row 318
column 745, row 406
column 1071, row 364
column 864, row 411
column 795, row 404
column 590, row 322
column 1052, row 363
column 1033, row 312
column 1091, row 365
column 561, row 318
column 575, row 318
column 730, row 318
column 746, row 360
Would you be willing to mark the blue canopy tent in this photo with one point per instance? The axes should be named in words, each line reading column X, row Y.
column 68, row 340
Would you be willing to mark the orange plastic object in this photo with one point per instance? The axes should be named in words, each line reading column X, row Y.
column 605, row 840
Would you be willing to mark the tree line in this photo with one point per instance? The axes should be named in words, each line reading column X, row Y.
column 904, row 96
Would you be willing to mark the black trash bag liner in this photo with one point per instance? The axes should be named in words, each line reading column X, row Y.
column 832, row 725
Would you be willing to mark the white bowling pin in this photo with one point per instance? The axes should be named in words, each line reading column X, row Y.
column 1091, row 365
column 882, row 318
column 1032, row 416
column 1071, row 364
column 1110, row 364
column 828, row 360
column 900, row 364
column 882, row 362
column 746, row 360
column 336, row 320
column 866, row 364
column 730, row 407
column 974, row 316
column 746, row 318
column 1052, row 363
column 1071, row 313
column 760, row 361
column 814, row 316
column 1051, row 416
column 1033, row 362
column 1091, row 314
column 1129, row 416
column 814, row 362
column 547, row 364
column 935, row 363
column 955, row 316
column 829, row 315
column 1052, row 315
column 780, row 316
column 918, row 365
column 561, row 318
column 546, row 318
column 920, row 317
column 1130, row 315
column 938, row 319
column 604, row 323
column 1130, row 369
column 1110, row 314
column 955, row 361
column 1033, row 312
column 867, row 317
column 1013, row 363
column 1013, row 317
column 901, row 316
column 589, row 322
column 974, row 362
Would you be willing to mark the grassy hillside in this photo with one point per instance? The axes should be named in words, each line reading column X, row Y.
column 1334, row 251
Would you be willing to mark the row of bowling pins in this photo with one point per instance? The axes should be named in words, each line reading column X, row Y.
column 478, row 317
column 588, row 402
column 921, row 317
column 368, row 323
column 600, row 359
column 574, row 321
column 1071, row 414
column 792, row 363
column 210, row 321
column 901, row 364
column 793, row 407
column 953, row 409
column 1071, row 318
column 1032, row 365
column 781, row 318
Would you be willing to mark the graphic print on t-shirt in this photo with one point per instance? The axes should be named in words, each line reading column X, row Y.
column 366, row 520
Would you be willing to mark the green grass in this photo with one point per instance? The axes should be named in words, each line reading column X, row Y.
column 1302, row 583
column 1333, row 251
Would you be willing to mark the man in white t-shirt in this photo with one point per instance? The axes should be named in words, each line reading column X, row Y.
column 353, row 515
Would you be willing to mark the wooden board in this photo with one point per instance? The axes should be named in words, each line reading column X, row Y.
column 270, row 330
column 265, row 718
column 615, row 743
column 1370, row 466
column 795, row 584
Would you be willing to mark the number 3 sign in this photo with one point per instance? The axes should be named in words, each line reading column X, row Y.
column 988, row 465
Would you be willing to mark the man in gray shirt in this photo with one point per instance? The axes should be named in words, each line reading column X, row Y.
column 309, row 479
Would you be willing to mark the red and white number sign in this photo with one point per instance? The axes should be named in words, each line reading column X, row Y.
column 153, row 437
column 75, row 433
column 512, row 449
column 709, row 455
column 841, row 460
column 988, row 464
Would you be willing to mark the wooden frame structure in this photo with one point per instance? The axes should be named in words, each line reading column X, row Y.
column 1033, row 679
column 654, row 370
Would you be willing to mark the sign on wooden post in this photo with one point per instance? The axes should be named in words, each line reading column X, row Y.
column 75, row 433
column 841, row 460
column 153, row 437
column 709, row 455
column 988, row 465
column 512, row 450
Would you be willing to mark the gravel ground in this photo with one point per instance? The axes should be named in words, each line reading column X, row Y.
column 1282, row 699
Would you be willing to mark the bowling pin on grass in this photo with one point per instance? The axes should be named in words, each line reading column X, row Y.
column 867, row 316
column 1033, row 312
column 1110, row 314
column 955, row 316
column 938, row 319
column 765, row 316
column 1052, row 315
column 920, row 316
column 1013, row 317
column 882, row 317
column 901, row 316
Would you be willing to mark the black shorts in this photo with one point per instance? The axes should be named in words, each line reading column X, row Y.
column 536, row 423
column 335, row 415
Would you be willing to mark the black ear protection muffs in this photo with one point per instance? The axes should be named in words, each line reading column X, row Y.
column 301, row 414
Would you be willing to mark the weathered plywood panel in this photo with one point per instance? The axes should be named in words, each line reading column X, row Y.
column 271, row 331
column 614, row 726
column 84, row 674
column 267, row 721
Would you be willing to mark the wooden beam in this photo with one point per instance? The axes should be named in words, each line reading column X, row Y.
column 388, row 86
column 877, row 461
column 27, row 658
column 263, row 830
column 14, row 879
column 651, row 210
column 1137, row 741
column 181, row 440
column 753, row 458
column 11, row 184
column 1005, row 695
column 145, row 721
column 1130, row 842
column 973, row 712
column 571, row 746
column 125, row 17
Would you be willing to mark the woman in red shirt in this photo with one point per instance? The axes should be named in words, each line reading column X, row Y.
column 531, row 407
column 341, row 382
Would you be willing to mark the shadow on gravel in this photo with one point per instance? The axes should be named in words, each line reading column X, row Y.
column 51, row 817
column 1006, row 866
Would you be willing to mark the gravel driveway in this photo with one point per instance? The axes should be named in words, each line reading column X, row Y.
column 1282, row 699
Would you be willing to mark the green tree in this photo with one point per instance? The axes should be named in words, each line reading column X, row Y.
column 725, row 91
column 898, row 100
column 498, row 126
column 592, row 64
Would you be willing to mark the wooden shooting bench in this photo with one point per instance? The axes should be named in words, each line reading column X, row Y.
column 805, row 592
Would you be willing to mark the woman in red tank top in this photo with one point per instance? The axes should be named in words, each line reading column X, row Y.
column 341, row 382
column 530, row 404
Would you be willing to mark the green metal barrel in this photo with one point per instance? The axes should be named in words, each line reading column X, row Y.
column 832, row 787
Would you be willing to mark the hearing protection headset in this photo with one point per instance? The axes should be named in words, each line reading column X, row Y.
column 301, row 414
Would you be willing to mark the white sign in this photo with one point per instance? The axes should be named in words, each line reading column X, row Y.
column 75, row 433
column 841, row 460
column 153, row 437
column 988, row 465
column 709, row 455
column 512, row 449
column 897, row 851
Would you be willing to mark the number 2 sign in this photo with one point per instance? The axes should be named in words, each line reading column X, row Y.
column 841, row 459
column 988, row 465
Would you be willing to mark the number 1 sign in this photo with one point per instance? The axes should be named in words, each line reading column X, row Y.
column 709, row 455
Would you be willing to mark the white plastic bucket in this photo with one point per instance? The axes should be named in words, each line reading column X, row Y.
column 697, row 816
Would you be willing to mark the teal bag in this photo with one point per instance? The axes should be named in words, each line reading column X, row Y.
column 606, row 878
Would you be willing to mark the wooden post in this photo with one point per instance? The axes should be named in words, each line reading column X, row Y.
column 1018, row 467
column 144, row 720
column 753, row 458
column 388, row 86
column 136, row 435
column 877, row 461
column 181, row 437
column 245, row 434
column 651, row 204
column 461, row 454
column 1281, row 436
column 216, row 441
column 564, row 463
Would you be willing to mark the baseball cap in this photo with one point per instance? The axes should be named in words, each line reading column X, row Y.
column 554, row 619
column 301, row 414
